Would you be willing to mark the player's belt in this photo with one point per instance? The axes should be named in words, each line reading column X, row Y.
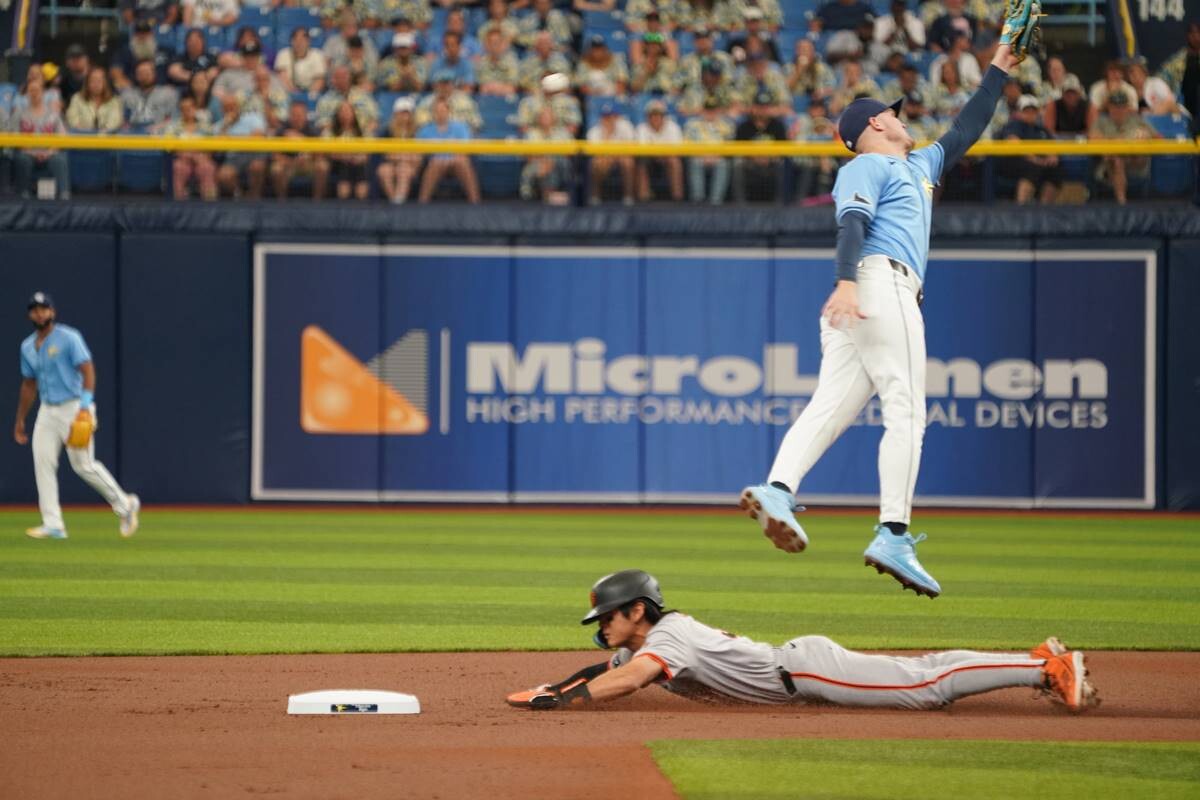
column 902, row 268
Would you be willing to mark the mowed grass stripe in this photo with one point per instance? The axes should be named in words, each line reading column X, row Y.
column 887, row 769
column 195, row 570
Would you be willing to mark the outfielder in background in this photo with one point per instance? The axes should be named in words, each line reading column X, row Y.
column 56, row 366
column 687, row 657
column 872, row 332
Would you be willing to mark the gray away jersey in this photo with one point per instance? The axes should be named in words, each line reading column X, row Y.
column 698, row 660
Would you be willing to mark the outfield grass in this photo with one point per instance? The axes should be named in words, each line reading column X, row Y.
column 888, row 769
column 326, row 581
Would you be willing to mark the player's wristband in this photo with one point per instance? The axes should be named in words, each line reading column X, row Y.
column 86, row 399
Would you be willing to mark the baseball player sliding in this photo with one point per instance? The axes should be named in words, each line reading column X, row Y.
column 687, row 657
column 56, row 366
column 872, row 333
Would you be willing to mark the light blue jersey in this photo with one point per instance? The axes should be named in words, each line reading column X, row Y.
column 896, row 194
column 56, row 363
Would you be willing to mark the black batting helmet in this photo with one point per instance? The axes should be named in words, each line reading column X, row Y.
column 615, row 590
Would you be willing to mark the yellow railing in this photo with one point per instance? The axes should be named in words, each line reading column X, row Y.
column 503, row 147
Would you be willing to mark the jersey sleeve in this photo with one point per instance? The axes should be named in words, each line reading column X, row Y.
column 667, row 645
column 80, row 354
column 27, row 370
column 859, row 186
column 930, row 159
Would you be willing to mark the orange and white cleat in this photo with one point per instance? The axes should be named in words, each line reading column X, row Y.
column 1066, row 680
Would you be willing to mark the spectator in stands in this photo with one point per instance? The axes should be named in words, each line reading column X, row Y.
column 142, row 45
column 148, row 106
column 754, row 172
column 659, row 128
column 713, row 87
column 287, row 166
column 612, row 127
column 340, row 88
column 195, row 58
column 909, row 80
column 95, row 109
column 456, row 22
column 546, row 177
column 542, row 60
column 376, row 12
column 1056, row 75
column 688, row 74
column 1010, row 94
column 637, row 13
column 921, row 126
column 37, row 116
column 545, row 18
column 949, row 96
column 963, row 59
column 498, row 69
column 656, row 73
column 402, row 70
column 441, row 165
column 760, row 78
column 348, row 170
column 76, row 68
column 187, row 166
column 808, row 75
column 337, row 46
column 900, row 30
column 397, row 171
column 601, row 72
column 455, row 62
column 854, row 84
column 301, row 67
column 1154, row 95
column 498, row 19
column 955, row 22
column 814, row 174
column 211, row 13
column 463, row 107
column 552, row 92
column 710, row 127
column 713, row 15
column 1120, row 120
column 594, row 5
column 248, row 168
column 1182, row 70
column 654, row 28
column 242, row 80
column 1068, row 115
column 1035, row 176
column 362, row 62
column 841, row 15
column 199, row 88
column 268, row 98
column 754, row 38
column 156, row 12
column 1113, row 81
column 51, row 96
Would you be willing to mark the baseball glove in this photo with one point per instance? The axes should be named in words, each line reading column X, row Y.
column 1021, row 26
column 81, row 430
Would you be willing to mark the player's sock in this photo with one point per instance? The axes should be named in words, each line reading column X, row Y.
column 897, row 528
column 781, row 485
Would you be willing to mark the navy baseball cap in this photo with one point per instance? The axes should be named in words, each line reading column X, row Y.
column 854, row 118
column 39, row 299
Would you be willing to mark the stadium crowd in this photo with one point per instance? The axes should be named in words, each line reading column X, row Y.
column 660, row 71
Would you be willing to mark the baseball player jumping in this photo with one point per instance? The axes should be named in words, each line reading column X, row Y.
column 687, row 657
column 56, row 366
column 872, row 333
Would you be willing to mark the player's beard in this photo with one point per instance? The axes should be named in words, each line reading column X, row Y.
column 44, row 324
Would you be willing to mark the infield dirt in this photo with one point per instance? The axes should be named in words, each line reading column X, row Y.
column 211, row 726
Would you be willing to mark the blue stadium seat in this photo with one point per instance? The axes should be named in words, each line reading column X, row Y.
column 385, row 100
column 381, row 38
column 499, row 116
column 215, row 38
column 786, row 40
column 168, row 37
column 800, row 103
column 304, row 97
column 140, row 170
column 592, row 112
column 262, row 22
column 599, row 21
column 91, row 170
column 617, row 40
column 1169, row 126
column 7, row 92
column 288, row 19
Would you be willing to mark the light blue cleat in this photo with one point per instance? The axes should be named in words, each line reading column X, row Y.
column 42, row 532
column 897, row 556
column 775, row 511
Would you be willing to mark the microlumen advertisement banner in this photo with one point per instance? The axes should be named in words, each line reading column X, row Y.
column 541, row 374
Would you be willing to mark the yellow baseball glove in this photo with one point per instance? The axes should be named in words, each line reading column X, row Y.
column 81, row 429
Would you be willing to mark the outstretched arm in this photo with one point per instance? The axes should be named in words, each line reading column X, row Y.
column 593, row 683
column 971, row 122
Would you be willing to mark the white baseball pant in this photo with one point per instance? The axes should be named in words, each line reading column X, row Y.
column 50, row 433
column 883, row 354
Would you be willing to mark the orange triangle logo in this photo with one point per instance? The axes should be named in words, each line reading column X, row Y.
column 338, row 394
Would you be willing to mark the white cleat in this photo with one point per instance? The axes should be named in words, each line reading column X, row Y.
column 129, row 520
column 775, row 511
